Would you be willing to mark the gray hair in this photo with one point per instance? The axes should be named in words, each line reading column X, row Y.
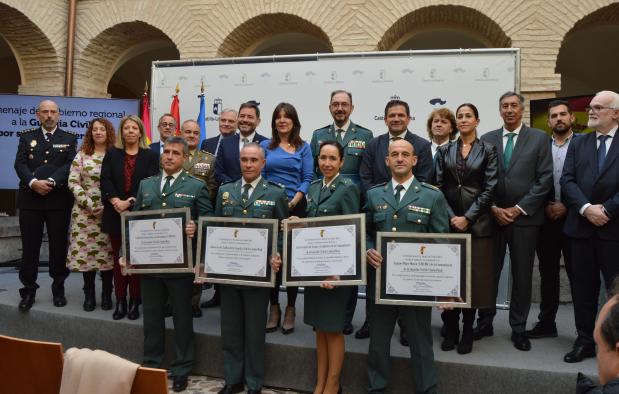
column 614, row 103
column 512, row 94
column 254, row 145
column 234, row 111
column 174, row 139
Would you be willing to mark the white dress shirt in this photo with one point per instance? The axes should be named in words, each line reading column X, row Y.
column 406, row 184
column 253, row 184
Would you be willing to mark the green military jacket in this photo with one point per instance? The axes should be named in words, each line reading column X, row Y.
column 340, row 198
column 423, row 209
column 202, row 166
column 186, row 191
column 355, row 142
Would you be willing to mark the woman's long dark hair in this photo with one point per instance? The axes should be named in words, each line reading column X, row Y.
column 295, row 133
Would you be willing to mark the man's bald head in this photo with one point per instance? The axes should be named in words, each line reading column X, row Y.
column 48, row 114
column 401, row 143
column 401, row 159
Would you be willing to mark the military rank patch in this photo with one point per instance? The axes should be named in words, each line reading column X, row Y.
column 419, row 209
column 263, row 203
column 356, row 144
column 381, row 207
column 60, row 146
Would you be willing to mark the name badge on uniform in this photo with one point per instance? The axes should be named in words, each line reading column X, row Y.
column 60, row 146
column 356, row 144
column 262, row 203
column 183, row 195
column 419, row 209
column 202, row 166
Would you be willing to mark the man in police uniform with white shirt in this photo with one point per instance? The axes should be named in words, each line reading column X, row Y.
column 42, row 163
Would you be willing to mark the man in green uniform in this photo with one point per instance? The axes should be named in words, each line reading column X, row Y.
column 244, row 308
column 404, row 204
column 201, row 165
column 172, row 188
column 354, row 139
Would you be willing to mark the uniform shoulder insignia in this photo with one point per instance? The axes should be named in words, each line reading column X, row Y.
column 359, row 127
column 71, row 132
column 324, row 127
column 150, row 177
column 317, row 180
column 228, row 182
column 430, row 186
column 346, row 181
column 276, row 184
column 375, row 186
column 190, row 176
column 207, row 154
column 19, row 133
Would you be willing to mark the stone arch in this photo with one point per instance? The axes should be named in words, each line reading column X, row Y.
column 447, row 18
column 37, row 60
column 113, row 48
column 256, row 34
column 590, row 44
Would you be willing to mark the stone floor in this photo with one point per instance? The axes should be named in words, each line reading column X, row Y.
column 205, row 384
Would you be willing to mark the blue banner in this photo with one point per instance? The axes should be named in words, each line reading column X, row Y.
column 18, row 112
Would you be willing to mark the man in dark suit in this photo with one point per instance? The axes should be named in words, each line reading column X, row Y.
column 227, row 166
column 373, row 170
column 552, row 242
column 227, row 127
column 166, row 128
column 42, row 163
column 590, row 187
column 525, row 178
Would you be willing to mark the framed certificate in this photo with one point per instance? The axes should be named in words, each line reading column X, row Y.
column 424, row 269
column 155, row 241
column 236, row 250
column 327, row 248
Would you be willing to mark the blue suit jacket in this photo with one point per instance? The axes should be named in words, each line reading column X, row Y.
column 582, row 183
column 227, row 166
column 374, row 171
column 210, row 144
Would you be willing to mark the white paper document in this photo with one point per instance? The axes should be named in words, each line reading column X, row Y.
column 423, row 269
column 324, row 251
column 156, row 241
column 236, row 251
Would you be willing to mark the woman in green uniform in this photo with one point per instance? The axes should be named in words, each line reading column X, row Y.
column 325, row 306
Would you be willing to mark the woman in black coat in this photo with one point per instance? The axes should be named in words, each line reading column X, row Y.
column 124, row 166
column 466, row 172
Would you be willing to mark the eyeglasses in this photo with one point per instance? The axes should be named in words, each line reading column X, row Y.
column 597, row 108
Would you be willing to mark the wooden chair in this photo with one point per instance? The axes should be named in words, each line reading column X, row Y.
column 150, row 381
column 30, row 367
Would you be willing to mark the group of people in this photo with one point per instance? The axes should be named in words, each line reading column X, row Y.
column 514, row 187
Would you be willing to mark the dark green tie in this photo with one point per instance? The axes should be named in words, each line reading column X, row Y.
column 398, row 193
column 245, row 195
column 509, row 148
column 338, row 138
column 167, row 185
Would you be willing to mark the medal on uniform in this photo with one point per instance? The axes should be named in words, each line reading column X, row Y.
column 33, row 143
column 225, row 196
column 30, row 156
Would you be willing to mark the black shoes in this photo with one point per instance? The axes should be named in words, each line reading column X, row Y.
column 232, row 388
column 483, row 330
column 196, row 311
column 134, row 309
column 59, row 301
column 180, row 383
column 121, row 309
column 106, row 301
column 89, row 302
column 26, row 302
column 579, row 353
column 213, row 302
column 452, row 337
column 542, row 330
column 466, row 342
column 364, row 331
column 348, row 328
column 520, row 341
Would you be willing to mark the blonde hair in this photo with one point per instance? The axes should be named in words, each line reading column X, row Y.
column 120, row 143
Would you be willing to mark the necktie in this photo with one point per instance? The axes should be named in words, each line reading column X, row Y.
column 339, row 136
column 509, row 148
column 245, row 195
column 48, row 136
column 601, row 151
column 245, row 141
column 167, row 185
column 398, row 193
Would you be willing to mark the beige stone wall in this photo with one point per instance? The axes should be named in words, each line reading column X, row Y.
column 109, row 32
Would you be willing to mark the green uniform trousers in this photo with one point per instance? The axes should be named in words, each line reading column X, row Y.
column 156, row 290
column 243, row 318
